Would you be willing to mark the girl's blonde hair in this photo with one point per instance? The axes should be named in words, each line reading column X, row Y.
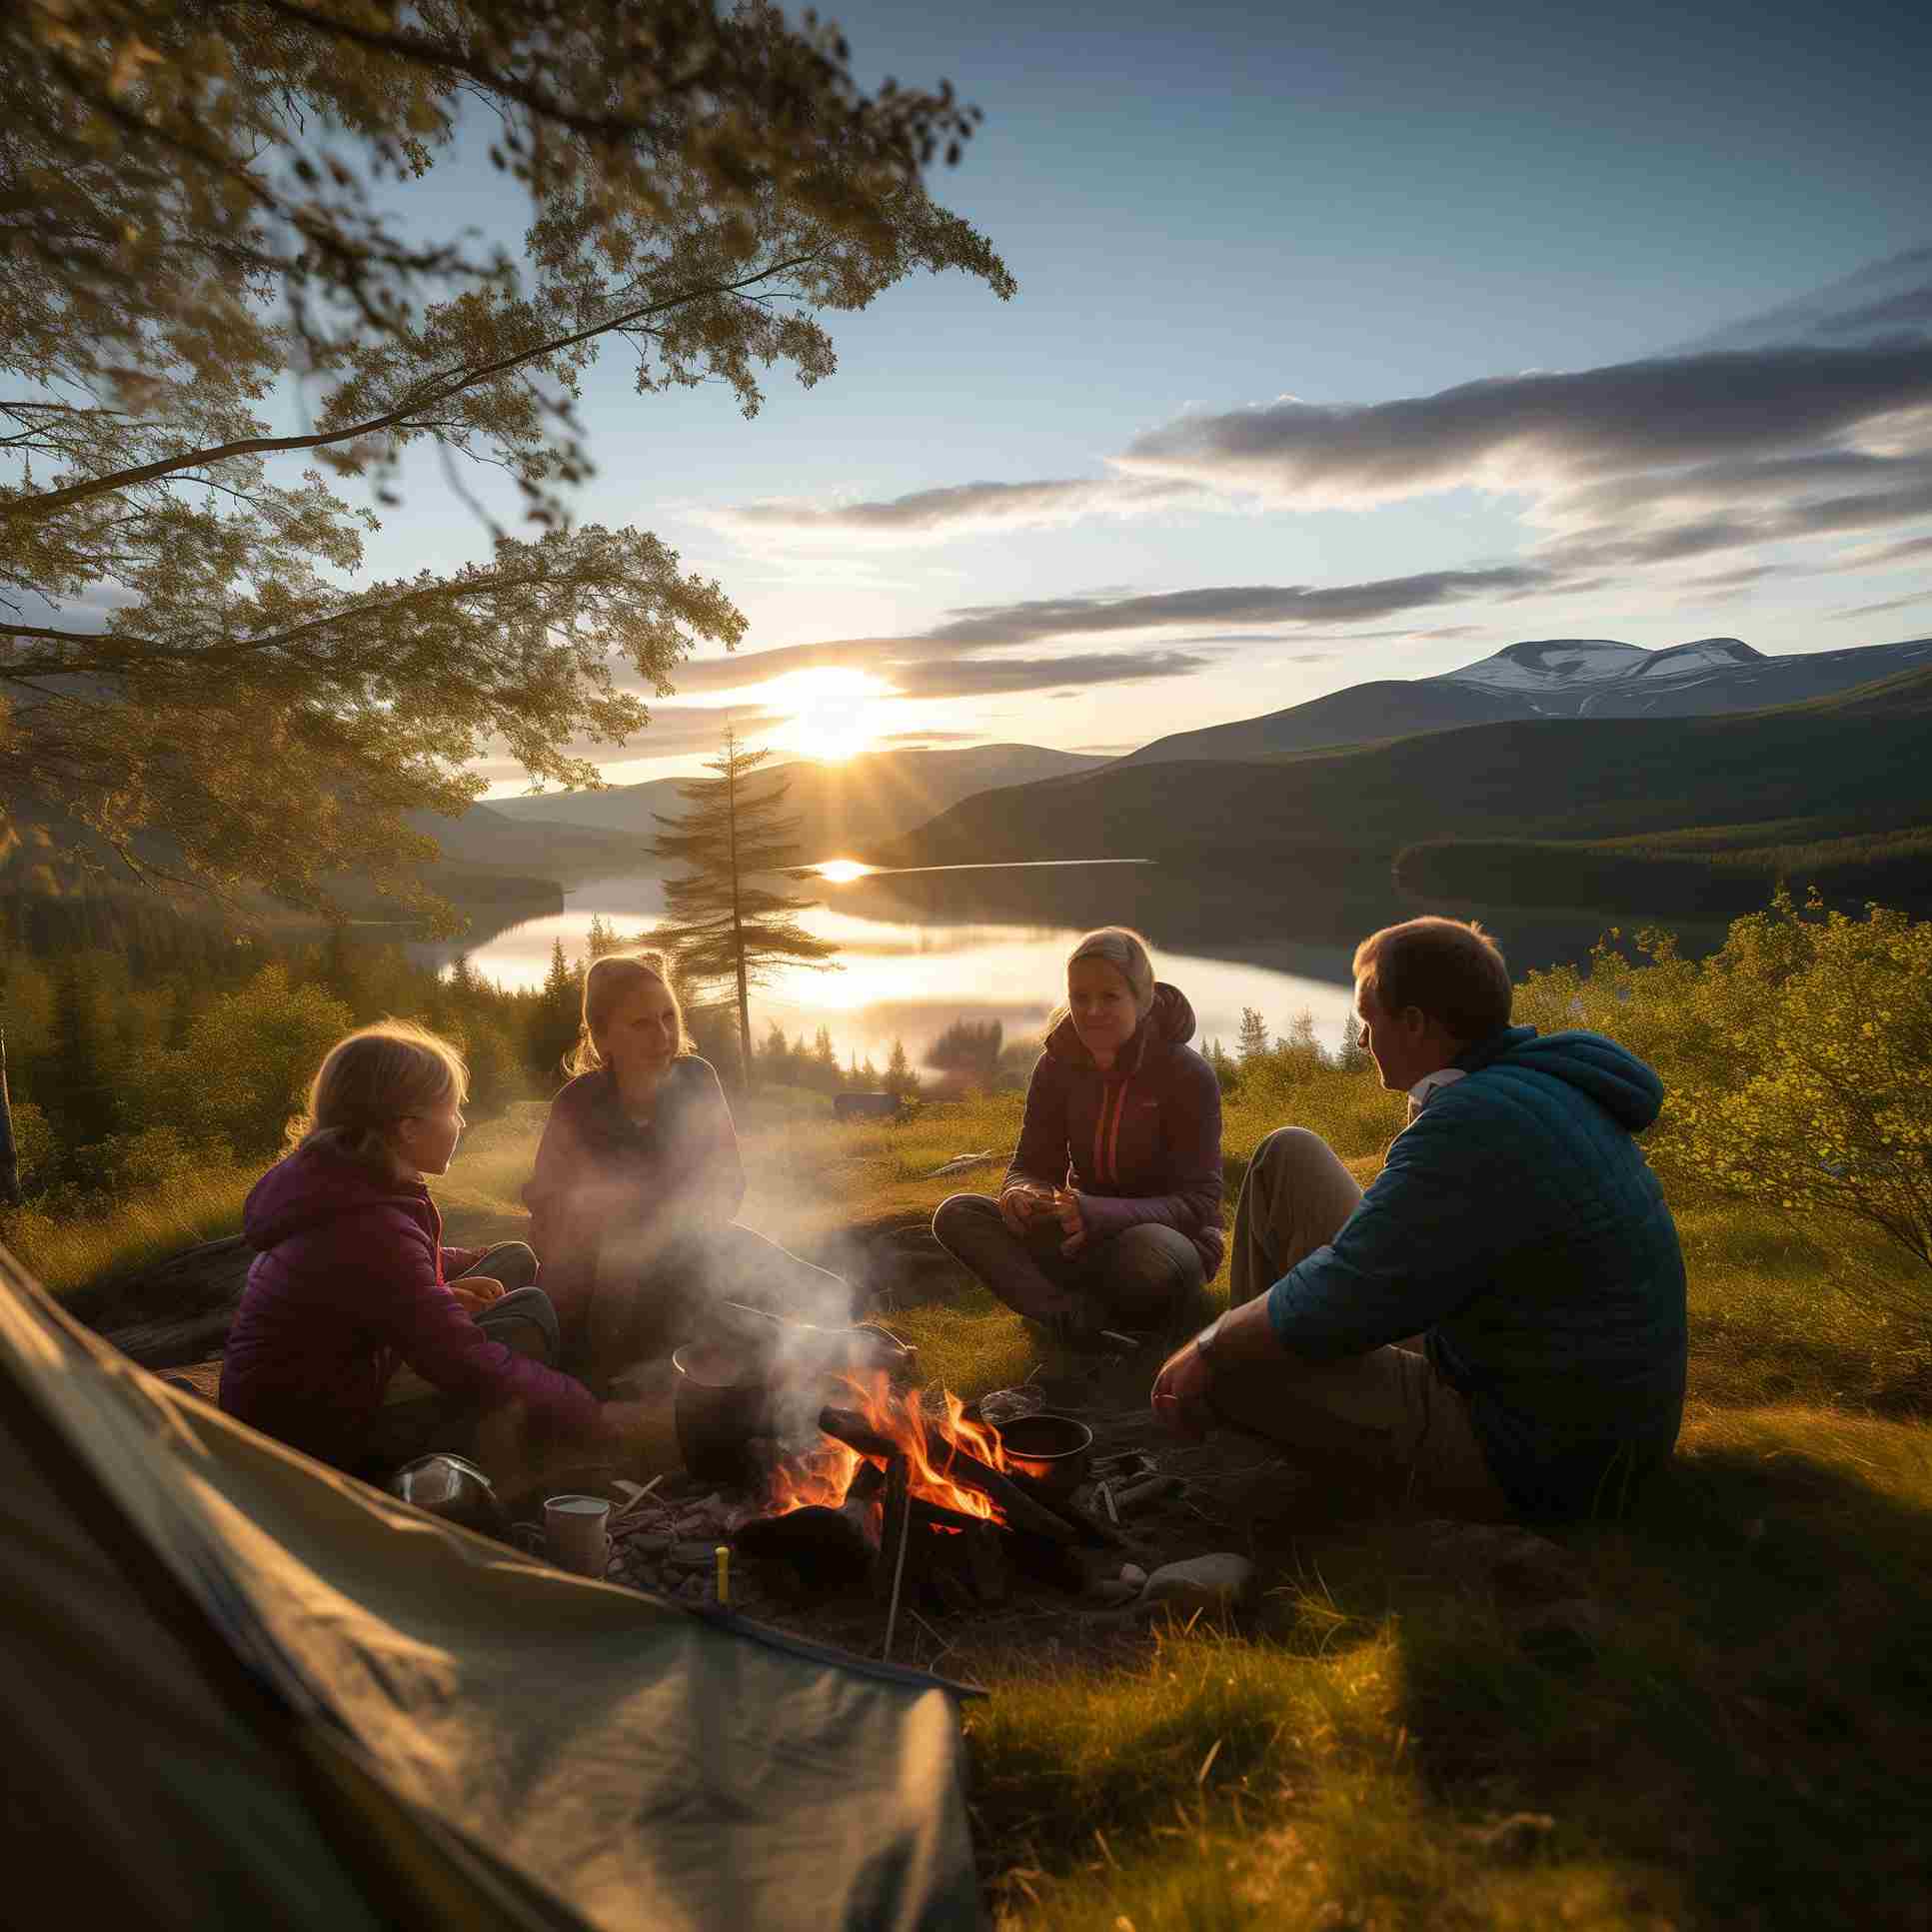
column 610, row 981
column 1122, row 947
column 372, row 1079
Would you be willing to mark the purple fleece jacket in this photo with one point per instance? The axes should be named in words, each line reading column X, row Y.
column 1139, row 1143
column 348, row 1282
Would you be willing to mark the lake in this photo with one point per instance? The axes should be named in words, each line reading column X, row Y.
column 919, row 951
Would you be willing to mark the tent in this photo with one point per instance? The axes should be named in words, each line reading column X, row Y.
column 243, row 1689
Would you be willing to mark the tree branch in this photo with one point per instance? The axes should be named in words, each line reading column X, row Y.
column 436, row 390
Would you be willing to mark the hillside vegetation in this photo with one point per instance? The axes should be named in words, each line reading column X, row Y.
column 1736, row 1738
column 1861, row 758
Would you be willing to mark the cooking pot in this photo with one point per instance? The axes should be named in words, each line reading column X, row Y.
column 1054, row 1450
column 727, row 1382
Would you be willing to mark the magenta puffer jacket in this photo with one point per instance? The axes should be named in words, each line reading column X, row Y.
column 348, row 1285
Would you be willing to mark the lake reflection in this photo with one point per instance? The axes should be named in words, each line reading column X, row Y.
column 921, row 949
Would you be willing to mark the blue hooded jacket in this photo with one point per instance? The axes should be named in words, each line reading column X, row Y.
column 1518, row 1227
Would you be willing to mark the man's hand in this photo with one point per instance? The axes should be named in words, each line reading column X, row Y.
column 1181, row 1392
column 1073, row 1224
column 1020, row 1203
column 476, row 1292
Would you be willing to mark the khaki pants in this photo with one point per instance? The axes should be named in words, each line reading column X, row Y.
column 1385, row 1417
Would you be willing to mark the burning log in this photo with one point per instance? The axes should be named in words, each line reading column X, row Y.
column 965, row 1469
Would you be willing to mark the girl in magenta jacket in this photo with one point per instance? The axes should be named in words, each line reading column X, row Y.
column 1110, row 1215
column 352, row 1279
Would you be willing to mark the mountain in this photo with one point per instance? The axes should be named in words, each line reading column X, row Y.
column 1863, row 756
column 487, row 840
column 869, row 799
column 1548, row 678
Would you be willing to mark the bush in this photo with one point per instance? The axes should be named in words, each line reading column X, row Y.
column 250, row 1057
column 35, row 1147
column 1797, row 1065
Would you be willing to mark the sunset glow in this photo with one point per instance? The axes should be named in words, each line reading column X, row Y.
column 836, row 714
column 842, row 872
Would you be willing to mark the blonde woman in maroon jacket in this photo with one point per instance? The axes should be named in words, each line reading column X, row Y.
column 637, row 1185
column 1110, row 1215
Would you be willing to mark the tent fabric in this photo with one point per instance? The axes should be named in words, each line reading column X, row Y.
column 244, row 1687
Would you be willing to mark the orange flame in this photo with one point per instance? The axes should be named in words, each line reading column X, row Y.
column 824, row 1473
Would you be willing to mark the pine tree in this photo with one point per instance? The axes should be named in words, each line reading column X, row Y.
column 82, row 1098
column 900, row 1080
column 718, row 924
column 1300, row 1045
column 560, row 1005
column 1254, row 1041
column 1352, row 1055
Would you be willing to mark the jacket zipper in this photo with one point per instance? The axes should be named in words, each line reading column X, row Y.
column 1113, row 1137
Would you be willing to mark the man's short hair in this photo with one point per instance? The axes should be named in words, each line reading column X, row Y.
column 1452, row 969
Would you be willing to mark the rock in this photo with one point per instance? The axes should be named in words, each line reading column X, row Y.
column 1112, row 1590
column 646, row 1543
column 695, row 1588
column 1132, row 1574
column 692, row 1556
column 1209, row 1583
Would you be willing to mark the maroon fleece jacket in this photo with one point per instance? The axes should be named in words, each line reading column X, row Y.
column 348, row 1283
column 1138, row 1142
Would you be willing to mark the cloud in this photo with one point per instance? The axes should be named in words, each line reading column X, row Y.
column 995, row 677
column 933, row 738
column 1731, row 580
column 960, row 509
column 675, row 730
column 990, row 626
column 1531, row 434
column 1885, row 298
column 961, row 657
column 1890, row 603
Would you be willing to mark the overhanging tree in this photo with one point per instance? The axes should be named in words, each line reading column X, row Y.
column 215, row 264
column 722, row 923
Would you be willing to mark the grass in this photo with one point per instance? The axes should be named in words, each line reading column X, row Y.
column 1740, row 1745
column 69, row 1255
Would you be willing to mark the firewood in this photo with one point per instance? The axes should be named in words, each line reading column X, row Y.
column 1019, row 1508
column 1141, row 1496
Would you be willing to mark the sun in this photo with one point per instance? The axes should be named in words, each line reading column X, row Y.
column 836, row 714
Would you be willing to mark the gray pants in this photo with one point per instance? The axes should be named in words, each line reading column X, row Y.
column 1139, row 1278
column 416, row 1418
column 1386, row 1416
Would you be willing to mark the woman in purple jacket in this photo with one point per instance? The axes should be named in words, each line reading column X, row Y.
column 1110, row 1215
column 352, row 1280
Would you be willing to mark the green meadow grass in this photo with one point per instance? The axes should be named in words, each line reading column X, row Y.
column 1745, row 1745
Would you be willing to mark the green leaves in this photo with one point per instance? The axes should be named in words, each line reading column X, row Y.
column 210, row 211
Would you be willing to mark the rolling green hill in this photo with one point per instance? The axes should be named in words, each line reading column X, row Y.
column 1841, row 767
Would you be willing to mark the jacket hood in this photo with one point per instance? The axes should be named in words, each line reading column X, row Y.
column 1615, row 1078
column 1169, row 1023
column 313, row 1186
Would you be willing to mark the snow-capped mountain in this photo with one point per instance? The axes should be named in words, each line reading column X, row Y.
column 1548, row 678
column 1569, row 676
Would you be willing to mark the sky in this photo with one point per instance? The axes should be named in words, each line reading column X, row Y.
column 1351, row 341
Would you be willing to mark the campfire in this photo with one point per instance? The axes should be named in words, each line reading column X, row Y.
column 906, row 1500
column 883, row 1422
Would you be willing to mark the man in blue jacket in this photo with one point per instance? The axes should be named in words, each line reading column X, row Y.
column 1498, row 1323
